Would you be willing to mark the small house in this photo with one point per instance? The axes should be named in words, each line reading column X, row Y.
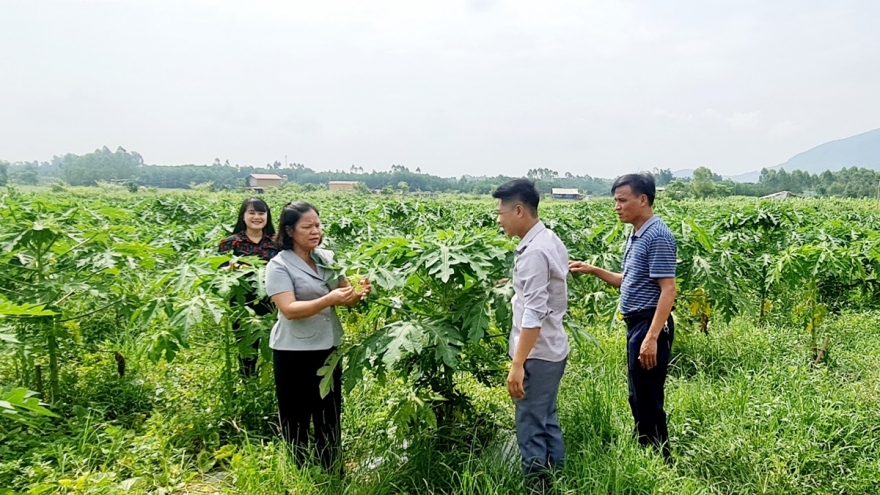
column 341, row 185
column 781, row 195
column 259, row 181
column 562, row 193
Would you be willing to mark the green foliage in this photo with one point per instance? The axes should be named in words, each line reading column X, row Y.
column 438, row 297
column 20, row 405
column 852, row 182
column 104, row 165
column 101, row 165
column 27, row 174
column 677, row 189
column 663, row 176
column 59, row 258
column 702, row 185
column 361, row 188
column 779, row 406
column 542, row 174
column 102, row 382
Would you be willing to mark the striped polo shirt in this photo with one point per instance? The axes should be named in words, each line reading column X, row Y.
column 649, row 255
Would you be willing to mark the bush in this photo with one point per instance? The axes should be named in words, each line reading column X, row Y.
column 104, row 382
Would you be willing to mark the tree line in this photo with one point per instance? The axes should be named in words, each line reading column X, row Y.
column 128, row 167
column 853, row 182
column 123, row 166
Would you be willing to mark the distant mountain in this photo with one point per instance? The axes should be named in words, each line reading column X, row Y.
column 861, row 150
column 749, row 176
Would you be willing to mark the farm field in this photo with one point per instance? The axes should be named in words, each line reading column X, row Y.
column 113, row 306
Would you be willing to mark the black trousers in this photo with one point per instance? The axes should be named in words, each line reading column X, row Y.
column 646, row 394
column 300, row 405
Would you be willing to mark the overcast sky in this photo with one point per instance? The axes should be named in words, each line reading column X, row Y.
column 479, row 87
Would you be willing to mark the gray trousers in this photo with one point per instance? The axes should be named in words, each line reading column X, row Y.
column 537, row 425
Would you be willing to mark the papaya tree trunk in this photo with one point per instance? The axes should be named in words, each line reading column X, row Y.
column 227, row 359
column 763, row 302
column 52, row 348
column 38, row 374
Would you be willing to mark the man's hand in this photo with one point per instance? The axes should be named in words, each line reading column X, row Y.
column 648, row 353
column 515, row 381
column 580, row 267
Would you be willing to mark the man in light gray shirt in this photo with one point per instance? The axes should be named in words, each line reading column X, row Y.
column 538, row 342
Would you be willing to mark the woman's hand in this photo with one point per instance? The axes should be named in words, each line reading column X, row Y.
column 360, row 285
column 343, row 296
column 365, row 287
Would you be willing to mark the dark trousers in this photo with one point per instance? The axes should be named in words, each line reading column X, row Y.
column 646, row 386
column 537, row 423
column 300, row 405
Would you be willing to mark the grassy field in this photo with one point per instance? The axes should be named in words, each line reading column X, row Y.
column 748, row 414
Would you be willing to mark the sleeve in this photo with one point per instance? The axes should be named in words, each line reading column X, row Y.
column 278, row 279
column 533, row 269
column 269, row 251
column 225, row 246
column 661, row 260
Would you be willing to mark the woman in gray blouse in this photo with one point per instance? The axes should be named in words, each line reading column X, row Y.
column 306, row 286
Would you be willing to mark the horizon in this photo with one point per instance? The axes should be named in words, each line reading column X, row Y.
column 678, row 173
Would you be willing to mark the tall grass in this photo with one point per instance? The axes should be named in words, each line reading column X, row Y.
column 749, row 414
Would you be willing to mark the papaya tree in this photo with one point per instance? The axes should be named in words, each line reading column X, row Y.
column 802, row 270
column 438, row 311
column 62, row 258
column 202, row 294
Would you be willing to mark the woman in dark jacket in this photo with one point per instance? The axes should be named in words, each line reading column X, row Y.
column 253, row 236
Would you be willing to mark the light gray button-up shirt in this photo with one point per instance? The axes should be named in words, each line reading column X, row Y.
column 540, row 292
column 287, row 272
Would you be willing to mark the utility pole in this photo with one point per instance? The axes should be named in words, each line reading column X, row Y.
column 285, row 161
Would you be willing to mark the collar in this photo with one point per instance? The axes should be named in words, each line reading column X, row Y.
column 242, row 236
column 299, row 263
column 651, row 221
column 530, row 236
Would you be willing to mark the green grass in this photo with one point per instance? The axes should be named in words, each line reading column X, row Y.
column 748, row 414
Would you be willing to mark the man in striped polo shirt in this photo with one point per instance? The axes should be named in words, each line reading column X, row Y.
column 647, row 295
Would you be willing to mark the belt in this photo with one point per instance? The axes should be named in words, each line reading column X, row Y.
column 636, row 317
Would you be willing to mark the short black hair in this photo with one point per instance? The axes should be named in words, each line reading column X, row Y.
column 641, row 183
column 258, row 205
column 519, row 190
column 290, row 216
